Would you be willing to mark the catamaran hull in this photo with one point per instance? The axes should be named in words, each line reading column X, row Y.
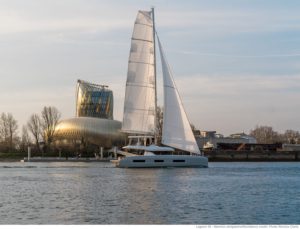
column 162, row 161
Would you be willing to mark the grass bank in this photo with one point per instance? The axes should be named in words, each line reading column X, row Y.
column 12, row 156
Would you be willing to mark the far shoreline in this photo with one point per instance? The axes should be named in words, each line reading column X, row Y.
column 87, row 160
column 212, row 155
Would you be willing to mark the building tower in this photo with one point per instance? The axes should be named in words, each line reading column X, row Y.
column 93, row 100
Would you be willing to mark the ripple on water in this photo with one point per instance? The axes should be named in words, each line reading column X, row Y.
column 17, row 167
column 97, row 193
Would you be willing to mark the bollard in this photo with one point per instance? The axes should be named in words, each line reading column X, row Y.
column 115, row 152
column 101, row 152
column 29, row 153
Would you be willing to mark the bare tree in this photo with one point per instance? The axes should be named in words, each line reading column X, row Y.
column 35, row 127
column 265, row 134
column 159, row 117
column 50, row 119
column 194, row 129
column 3, row 129
column 291, row 137
column 25, row 139
column 8, row 130
column 12, row 130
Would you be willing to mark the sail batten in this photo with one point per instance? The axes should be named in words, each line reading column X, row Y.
column 139, row 62
column 139, row 105
column 176, row 131
column 138, row 39
column 140, row 85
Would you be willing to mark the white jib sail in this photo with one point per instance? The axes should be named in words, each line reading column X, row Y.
column 176, row 131
column 139, row 105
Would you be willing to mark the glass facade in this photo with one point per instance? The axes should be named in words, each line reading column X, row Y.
column 93, row 100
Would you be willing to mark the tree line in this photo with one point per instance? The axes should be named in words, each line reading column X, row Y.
column 266, row 134
column 39, row 131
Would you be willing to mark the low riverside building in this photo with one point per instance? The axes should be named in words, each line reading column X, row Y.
column 291, row 147
column 242, row 147
column 211, row 139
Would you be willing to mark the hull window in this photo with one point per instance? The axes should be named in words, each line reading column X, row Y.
column 158, row 160
column 138, row 161
column 178, row 160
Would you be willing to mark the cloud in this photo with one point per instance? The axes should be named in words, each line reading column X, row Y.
column 239, row 56
column 12, row 22
column 232, row 103
column 239, row 84
column 58, row 15
column 22, row 102
column 226, row 22
column 238, row 67
column 66, row 15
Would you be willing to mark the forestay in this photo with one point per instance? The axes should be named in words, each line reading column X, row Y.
column 176, row 131
column 139, row 105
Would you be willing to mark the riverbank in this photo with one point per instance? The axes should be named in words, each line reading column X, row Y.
column 212, row 155
column 23, row 157
column 11, row 157
column 63, row 159
column 247, row 155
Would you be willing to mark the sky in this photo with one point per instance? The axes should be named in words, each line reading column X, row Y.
column 236, row 63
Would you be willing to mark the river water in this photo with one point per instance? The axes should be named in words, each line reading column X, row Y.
column 98, row 193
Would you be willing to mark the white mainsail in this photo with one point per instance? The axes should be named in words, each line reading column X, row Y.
column 139, row 105
column 176, row 131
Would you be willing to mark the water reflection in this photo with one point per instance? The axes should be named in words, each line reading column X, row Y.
column 97, row 193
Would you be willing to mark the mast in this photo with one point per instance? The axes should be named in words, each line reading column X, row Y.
column 155, row 83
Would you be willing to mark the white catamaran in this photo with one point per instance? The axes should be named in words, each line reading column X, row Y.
column 140, row 109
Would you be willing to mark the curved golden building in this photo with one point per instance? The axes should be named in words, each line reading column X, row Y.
column 101, row 132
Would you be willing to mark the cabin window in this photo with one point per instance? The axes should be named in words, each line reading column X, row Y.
column 158, row 160
column 178, row 160
column 138, row 160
